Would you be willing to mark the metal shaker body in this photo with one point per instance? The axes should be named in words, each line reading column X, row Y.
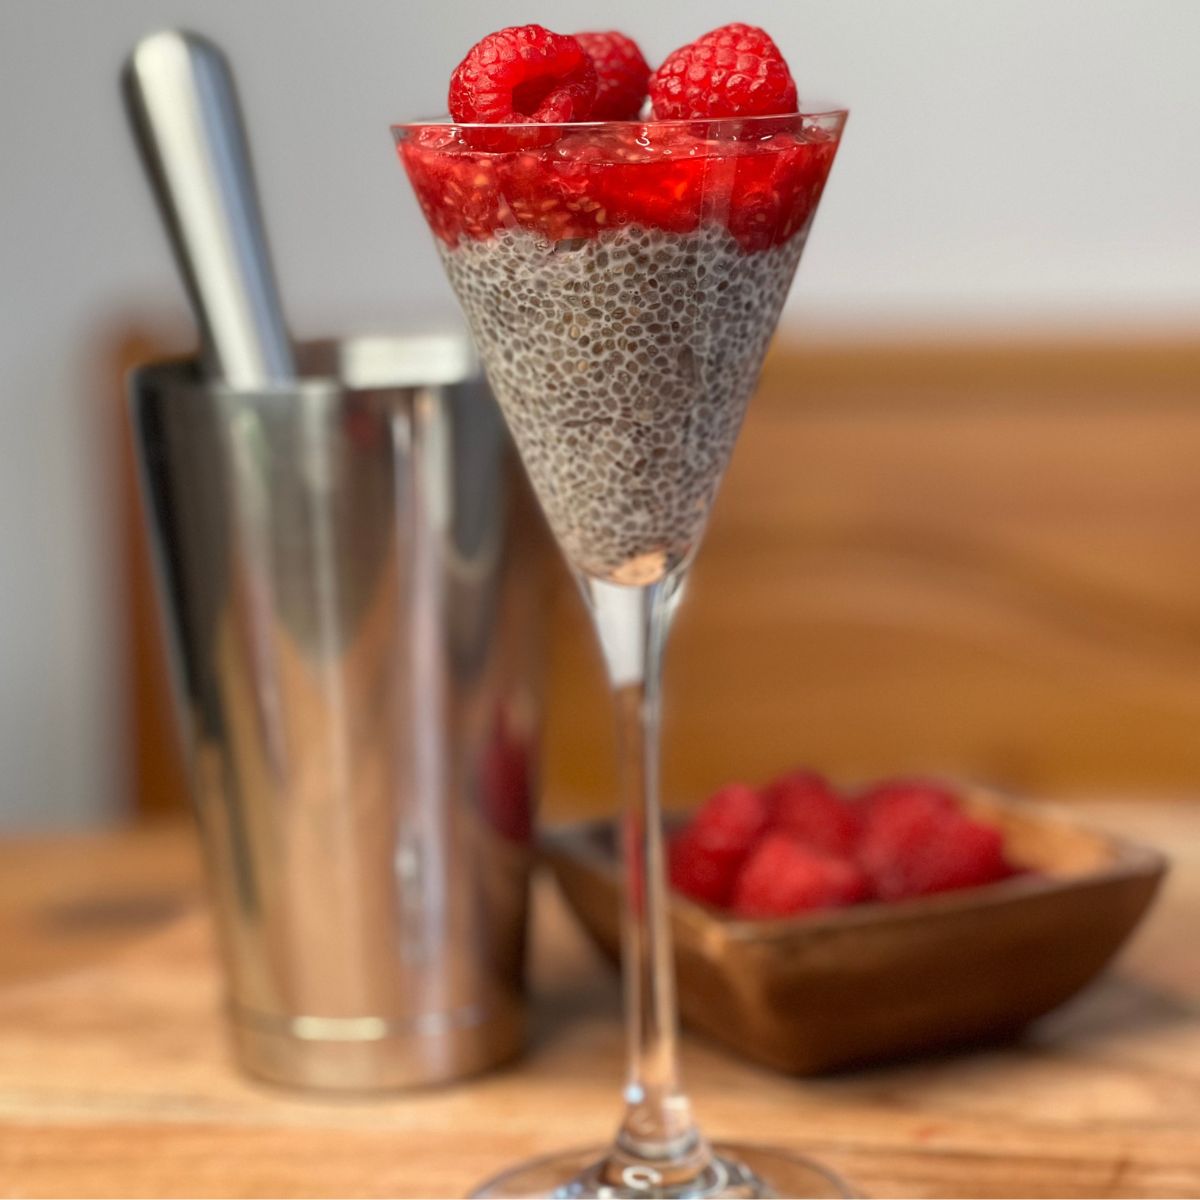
column 351, row 572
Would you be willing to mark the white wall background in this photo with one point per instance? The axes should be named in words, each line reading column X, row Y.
column 1008, row 162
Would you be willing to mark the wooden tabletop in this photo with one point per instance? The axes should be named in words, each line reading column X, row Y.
column 115, row 1078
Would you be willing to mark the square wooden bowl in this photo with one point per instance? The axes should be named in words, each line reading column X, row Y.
column 880, row 981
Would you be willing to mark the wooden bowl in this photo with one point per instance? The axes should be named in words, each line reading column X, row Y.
column 879, row 981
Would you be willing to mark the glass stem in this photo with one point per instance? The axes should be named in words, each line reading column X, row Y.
column 658, row 1143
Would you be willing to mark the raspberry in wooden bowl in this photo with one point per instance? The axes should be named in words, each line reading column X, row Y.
column 912, row 917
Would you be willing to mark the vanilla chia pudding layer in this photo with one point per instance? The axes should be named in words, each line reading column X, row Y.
column 623, row 364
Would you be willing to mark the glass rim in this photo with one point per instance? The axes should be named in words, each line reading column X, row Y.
column 832, row 112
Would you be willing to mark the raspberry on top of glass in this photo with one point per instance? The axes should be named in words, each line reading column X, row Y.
column 511, row 160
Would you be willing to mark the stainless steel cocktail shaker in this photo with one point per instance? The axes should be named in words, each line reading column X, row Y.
column 350, row 569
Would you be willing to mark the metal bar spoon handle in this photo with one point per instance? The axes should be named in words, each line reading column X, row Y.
column 183, row 106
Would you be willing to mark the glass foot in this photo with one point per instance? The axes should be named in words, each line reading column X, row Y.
column 738, row 1170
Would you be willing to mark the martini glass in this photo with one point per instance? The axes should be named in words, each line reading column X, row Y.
column 622, row 281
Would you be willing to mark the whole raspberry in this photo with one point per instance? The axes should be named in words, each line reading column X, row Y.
column 907, row 794
column 731, row 819
column 782, row 877
column 523, row 75
column 704, row 858
column 734, row 71
column 916, row 841
column 805, row 805
column 622, row 75
column 701, row 872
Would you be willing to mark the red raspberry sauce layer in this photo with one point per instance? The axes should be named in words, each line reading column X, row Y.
column 763, row 189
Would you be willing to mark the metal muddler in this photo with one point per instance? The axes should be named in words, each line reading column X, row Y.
column 183, row 108
column 351, row 566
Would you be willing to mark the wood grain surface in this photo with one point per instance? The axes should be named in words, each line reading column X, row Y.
column 115, row 1079
column 980, row 560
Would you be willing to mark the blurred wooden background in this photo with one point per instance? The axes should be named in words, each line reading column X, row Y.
column 975, row 558
column 980, row 559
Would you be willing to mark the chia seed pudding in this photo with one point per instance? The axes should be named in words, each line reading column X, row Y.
column 623, row 363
